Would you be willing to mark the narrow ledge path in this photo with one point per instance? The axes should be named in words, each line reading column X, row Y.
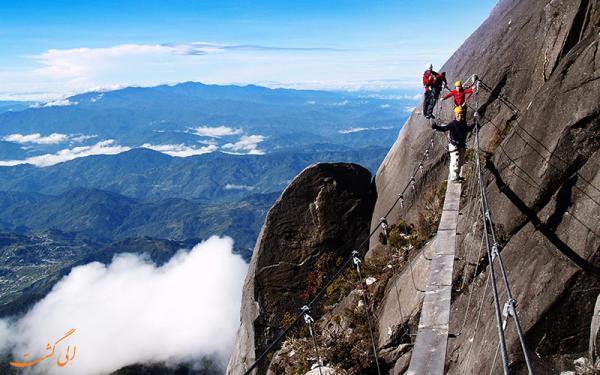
column 429, row 352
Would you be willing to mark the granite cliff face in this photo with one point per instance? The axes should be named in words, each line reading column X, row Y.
column 325, row 210
column 540, row 136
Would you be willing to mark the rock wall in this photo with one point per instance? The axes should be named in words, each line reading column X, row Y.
column 326, row 209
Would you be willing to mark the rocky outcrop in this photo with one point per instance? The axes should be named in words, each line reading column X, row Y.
column 325, row 211
column 541, row 136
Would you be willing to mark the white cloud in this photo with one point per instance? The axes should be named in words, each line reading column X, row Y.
column 356, row 130
column 37, row 138
column 51, row 139
column 238, row 187
column 81, row 138
column 341, row 104
column 54, row 103
column 181, row 150
column 248, row 144
column 132, row 311
column 105, row 147
column 97, row 97
column 385, row 106
column 409, row 109
column 352, row 130
column 60, row 103
column 215, row 132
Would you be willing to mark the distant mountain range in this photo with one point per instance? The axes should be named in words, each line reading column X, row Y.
column 9, row 105
column 200, row 118
column 154, row 170
column 106, row 217
column 151, row 175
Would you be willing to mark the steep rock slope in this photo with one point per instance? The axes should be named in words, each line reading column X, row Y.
column 540, row 136
column 326, row 209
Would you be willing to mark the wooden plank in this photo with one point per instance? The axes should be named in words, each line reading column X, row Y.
column 429, row 352
column 452, row 198
column 445, row 241
column 429, row 361
column 448, row 221
column 434, row 313
column 451, row 204
column 438, row 271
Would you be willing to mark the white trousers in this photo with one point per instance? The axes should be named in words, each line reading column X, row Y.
column 457, row 159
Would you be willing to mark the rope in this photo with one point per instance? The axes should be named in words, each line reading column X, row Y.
column 493, row 251
column 471, row 193
column 491, row 257
column 471, row 289
column 503, row 99
column 385, row 228
column 472, row 339
column 366, row 302
column 534, row 184
column 412, row 276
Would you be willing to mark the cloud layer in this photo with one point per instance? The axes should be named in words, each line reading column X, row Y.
column 106, row 147
column 181, row 150
column 248, row 144
column 37, row 138
column 51, row 139
column 132, row 311
column 215, row 132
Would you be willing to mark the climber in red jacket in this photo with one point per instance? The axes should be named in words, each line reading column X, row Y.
column 433, row 82
column 460, row 95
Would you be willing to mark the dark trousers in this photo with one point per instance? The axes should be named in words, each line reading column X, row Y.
column 431, row 97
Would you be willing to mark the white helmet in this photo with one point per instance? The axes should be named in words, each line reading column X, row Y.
column 429, row 67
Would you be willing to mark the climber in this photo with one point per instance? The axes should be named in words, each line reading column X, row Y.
column 456, row 141
column 433, row 82
column 460, row 95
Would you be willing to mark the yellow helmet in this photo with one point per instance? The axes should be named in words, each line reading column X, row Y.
column 459, row 109
column 458, row 84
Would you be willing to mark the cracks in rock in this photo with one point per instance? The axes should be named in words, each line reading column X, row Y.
column 588, row 143
column 495, row 93
column 302, row 262
column 570, row 62
column 577, row 27
column 541, row 227
column 568, row 316
column 563, row 202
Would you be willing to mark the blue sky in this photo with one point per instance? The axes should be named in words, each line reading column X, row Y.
column 51, row 49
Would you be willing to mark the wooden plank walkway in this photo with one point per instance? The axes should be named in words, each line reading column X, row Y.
column 429, row 352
